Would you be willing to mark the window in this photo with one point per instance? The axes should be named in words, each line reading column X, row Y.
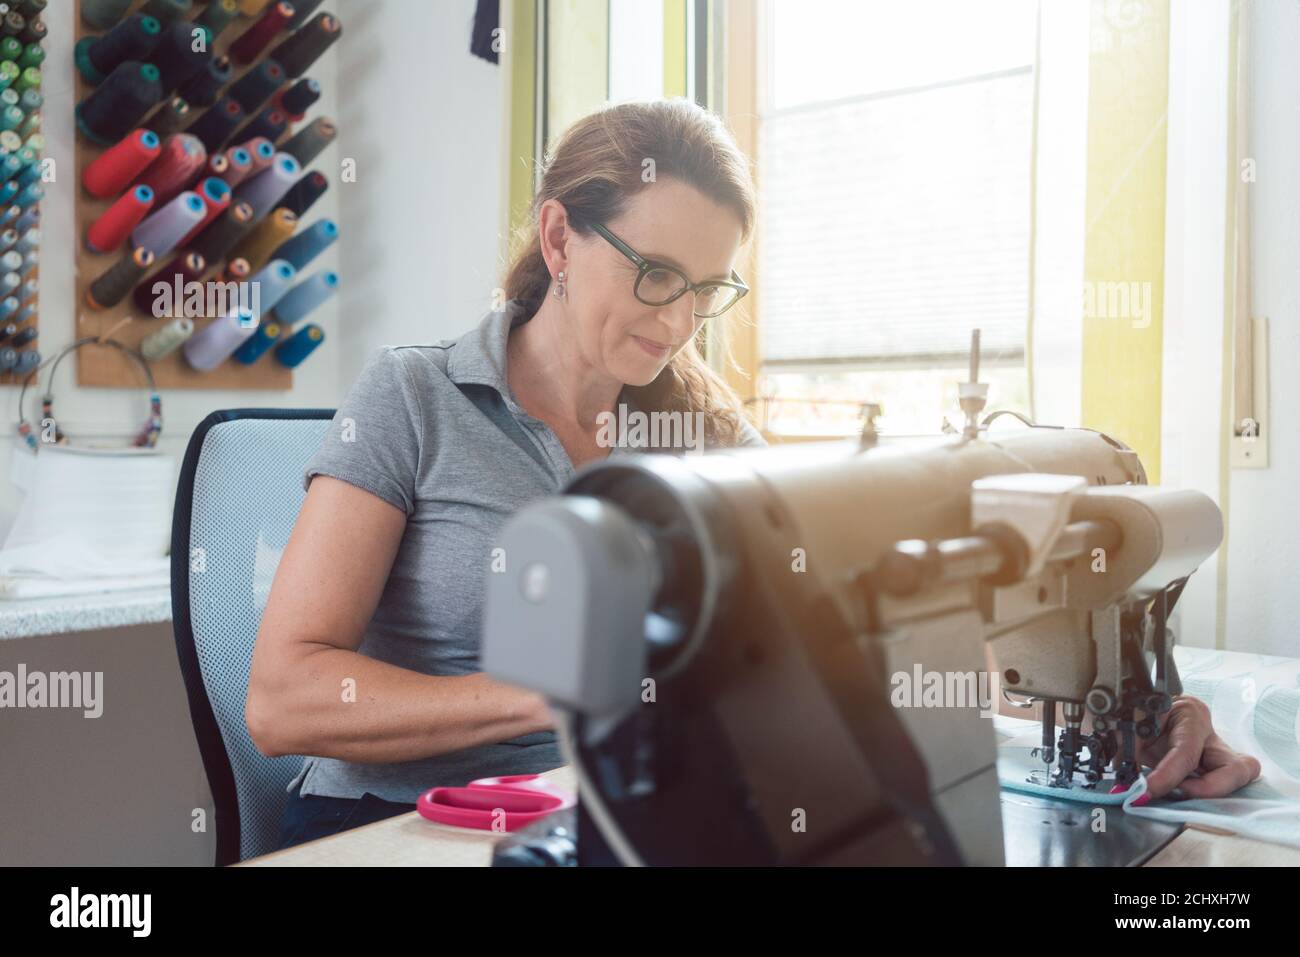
column 894, row 166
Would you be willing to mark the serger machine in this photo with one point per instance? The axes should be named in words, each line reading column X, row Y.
column 720, row 633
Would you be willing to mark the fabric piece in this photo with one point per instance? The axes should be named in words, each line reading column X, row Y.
column 1254, row 701
column 487, row 17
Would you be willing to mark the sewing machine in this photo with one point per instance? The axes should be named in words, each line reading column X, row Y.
column 723, row 636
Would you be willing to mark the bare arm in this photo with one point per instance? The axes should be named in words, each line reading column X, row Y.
column 325, row 592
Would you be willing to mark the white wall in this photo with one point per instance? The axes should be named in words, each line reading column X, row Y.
column 423, row 119
column 1263, row 602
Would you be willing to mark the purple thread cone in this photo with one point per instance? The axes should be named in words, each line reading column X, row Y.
column 162, row 230
column 266, row 189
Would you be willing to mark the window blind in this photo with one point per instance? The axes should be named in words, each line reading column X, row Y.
column 894, row 223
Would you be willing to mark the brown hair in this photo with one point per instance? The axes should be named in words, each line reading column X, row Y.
column 594, row 170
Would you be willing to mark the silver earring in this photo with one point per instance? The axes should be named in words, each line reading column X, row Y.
column 559, row 285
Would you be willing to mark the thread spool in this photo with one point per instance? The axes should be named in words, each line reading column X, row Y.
column 28, row 241
column 22, row 222
column 251, row 8
column 28, row 79
column 262, row 154
column 292, row 351
column 167, row 10
column 13, row 24
column 257, row 86
column 237, row 270
column 117, row 105
column 255, row 345
column 164, row 228
column 298, row 99
column 302, row 9
column 268, row 187
column 26, row 312
column 216, row 125
column 180, row 159
column 250, row 44
column 270, row 123
column 226, row 230
column 29, row 289
column 204, row 88
column 34, row 32
column 269, row 233
column 110, row 172
column 215, row 193
column 110, row 288
column 32, row 193
column 32, row 8
column 102, row 14
column 185, row 268
column 211, row 346
column 24, row 336
column 301, row 249
column 238, row 165
column 7, row 239
column 29, row 262
column 133, row 39
column 176, row 57
column 171, row 116
column 218, row 15
column 8, row 358
column 10, row 329
column 10, row 281
column 27, row 362
column 305, row 297
column 307, row 143
column 303, row 47
column 32, row 55
column 217, row 166
column 29, row 175
column 304, row 193
column 168, row 338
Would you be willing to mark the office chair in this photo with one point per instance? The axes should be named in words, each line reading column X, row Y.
column 238, row 496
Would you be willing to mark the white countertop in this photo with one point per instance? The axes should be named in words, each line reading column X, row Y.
column 26, row 617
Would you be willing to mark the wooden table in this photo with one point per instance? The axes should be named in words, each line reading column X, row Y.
column 408, row 840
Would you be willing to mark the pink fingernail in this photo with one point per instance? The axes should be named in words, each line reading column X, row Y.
column 1146, row 797
column 1118, row 789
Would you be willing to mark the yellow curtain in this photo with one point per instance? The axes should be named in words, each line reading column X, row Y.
column 1128, row 99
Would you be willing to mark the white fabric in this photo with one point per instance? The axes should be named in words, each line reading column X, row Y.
column 91, row 520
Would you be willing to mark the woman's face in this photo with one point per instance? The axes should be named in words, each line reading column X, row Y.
column 667, row 221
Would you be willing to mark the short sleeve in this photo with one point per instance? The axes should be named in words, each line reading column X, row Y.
column 749, row 435
column 374, row 441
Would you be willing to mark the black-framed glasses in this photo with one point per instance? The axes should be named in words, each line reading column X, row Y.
column 658, row 284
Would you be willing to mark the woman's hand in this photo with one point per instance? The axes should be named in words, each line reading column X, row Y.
column 1187, row 743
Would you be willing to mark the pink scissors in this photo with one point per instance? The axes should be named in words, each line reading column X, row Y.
column 515, row 800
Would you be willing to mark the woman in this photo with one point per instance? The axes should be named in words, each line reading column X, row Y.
column 367, row 654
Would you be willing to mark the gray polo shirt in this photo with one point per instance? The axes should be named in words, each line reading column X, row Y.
column 435, row 431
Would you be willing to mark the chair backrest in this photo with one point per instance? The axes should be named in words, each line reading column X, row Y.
column 238, row 496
